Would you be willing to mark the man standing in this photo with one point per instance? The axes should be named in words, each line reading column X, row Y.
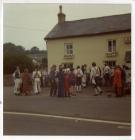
column 123, row 79
column 53, row 83
column 95, row 78
column 79, row 74
column 60, row 75
column 106, row 74
column 17, row 81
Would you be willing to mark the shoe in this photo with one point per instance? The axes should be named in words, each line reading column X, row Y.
column 101, row 92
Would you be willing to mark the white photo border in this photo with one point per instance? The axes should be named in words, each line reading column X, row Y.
column 132, row 2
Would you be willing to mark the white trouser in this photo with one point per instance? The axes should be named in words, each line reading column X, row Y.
column 17, row 86
column 36, row 86
column 78, row 88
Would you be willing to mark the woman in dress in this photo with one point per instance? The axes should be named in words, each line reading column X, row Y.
column 117, row 82
column 26, row 82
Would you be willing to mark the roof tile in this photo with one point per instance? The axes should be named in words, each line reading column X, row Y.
column 91, row 26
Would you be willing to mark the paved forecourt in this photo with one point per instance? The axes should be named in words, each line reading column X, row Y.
column 107, row 116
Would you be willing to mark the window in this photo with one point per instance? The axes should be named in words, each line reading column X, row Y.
column 68, row 49
column 112, row 46
column 128, row 57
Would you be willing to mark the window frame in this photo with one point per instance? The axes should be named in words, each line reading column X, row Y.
column 68, row 51
column 113, row 45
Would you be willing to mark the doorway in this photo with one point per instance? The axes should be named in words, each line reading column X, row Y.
column 68, row 65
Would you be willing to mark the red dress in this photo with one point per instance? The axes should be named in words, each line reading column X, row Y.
column 117, row 78
column 26, row 83
column 66, row 82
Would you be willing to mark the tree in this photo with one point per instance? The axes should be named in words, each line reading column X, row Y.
column 10, row 47
column 15, row 56
column 34, row 49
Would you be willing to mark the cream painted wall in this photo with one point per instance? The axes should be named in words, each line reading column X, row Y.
column 87, row 49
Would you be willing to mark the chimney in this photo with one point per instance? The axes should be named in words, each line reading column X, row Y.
column 61, row 16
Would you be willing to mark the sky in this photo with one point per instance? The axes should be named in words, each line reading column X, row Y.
column 28, row 24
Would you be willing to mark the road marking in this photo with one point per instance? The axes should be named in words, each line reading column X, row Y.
column 69, row 118
column 124, row 127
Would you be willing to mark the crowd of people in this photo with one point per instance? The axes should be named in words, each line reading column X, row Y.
column 69, row 81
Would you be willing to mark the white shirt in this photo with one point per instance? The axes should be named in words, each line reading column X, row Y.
column 18, row 73
column 107, row 70
column 94, row 72
column 36, row 74
column 78, row 71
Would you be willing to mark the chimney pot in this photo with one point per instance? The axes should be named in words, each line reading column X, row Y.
column 60, row 7
column 61, row 16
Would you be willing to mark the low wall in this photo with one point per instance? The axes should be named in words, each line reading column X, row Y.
column 8, row 80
